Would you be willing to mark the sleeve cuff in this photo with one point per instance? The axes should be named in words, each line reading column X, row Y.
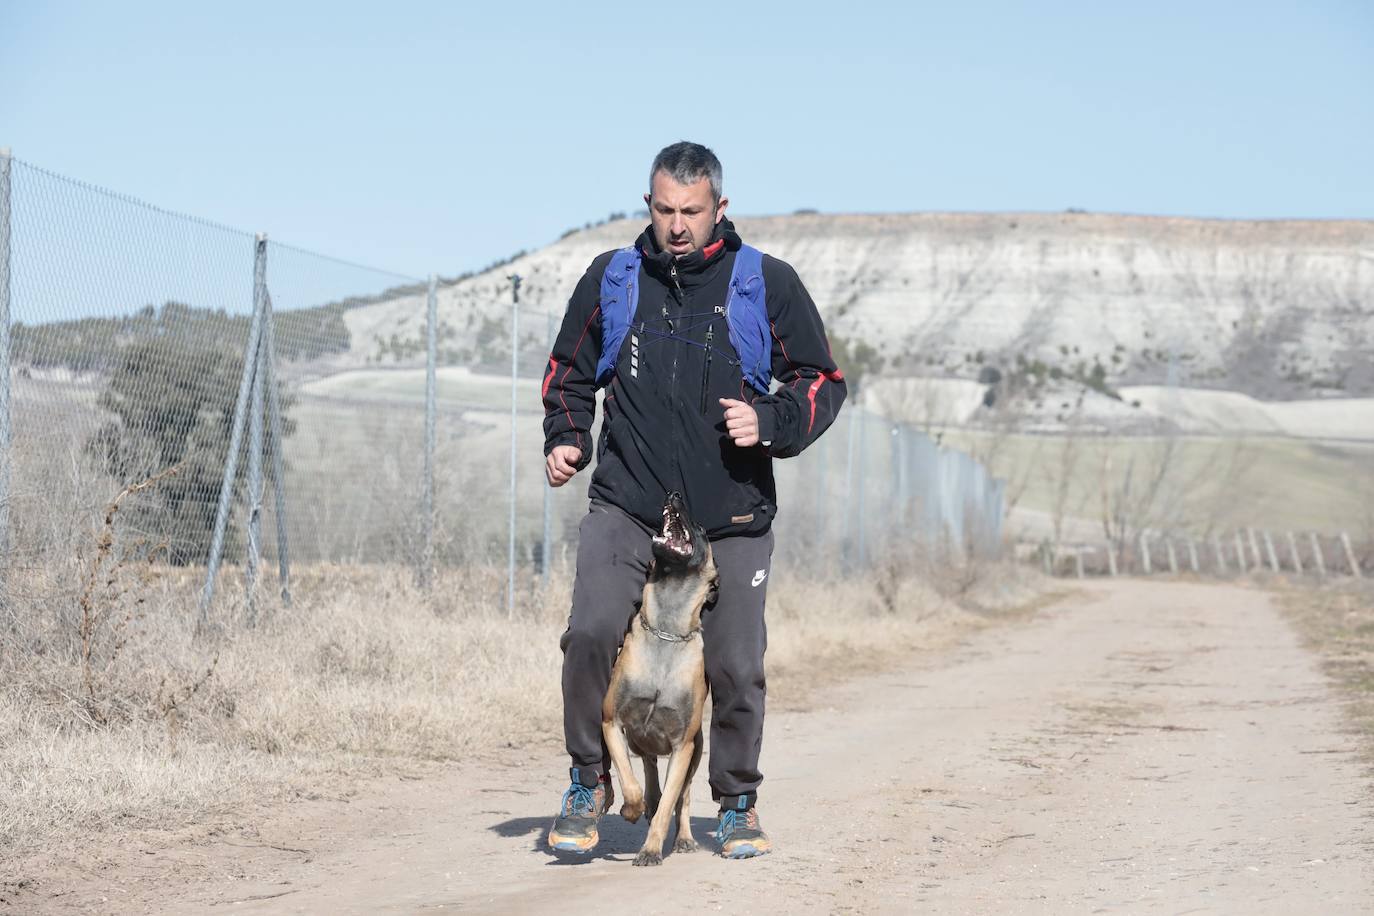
column 768, row 423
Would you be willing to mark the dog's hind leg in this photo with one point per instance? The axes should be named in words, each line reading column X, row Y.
column 653, row 792
column 684, row 841
column 651, row 853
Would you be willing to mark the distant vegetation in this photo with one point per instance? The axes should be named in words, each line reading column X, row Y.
column 173, row 399
column 610, row 218
column 97, row 344
column 856, row 360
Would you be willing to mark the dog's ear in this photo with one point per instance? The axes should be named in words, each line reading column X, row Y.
column 713, row 590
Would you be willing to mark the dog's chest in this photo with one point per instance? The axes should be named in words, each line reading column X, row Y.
column 656, row 696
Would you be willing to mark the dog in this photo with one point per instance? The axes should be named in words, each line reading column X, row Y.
column 654, row 705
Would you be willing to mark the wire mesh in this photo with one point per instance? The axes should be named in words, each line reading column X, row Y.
column 130, row 331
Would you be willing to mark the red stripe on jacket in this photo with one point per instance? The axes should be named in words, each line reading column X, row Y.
column 563, row 382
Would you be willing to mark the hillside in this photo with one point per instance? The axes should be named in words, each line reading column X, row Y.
column 1273, row 309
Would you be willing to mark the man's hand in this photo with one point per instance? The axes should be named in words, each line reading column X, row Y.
column 561, row 464
column 741, row 422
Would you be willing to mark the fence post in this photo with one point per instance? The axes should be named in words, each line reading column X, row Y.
column 863, row 490
column 1218, row 554
column 278, row 462
column 1293, row 552
column 1269, row 549
column 1111, row 559
column 1173, row 558
column 231, row 461
column 1078, row 560
column 255, row 437
column 514, row 403
column 5, row 433
column 1258, row 561
column 849, row 486
column 1145, row 552
column 903, row 480
column 1350, row 556
column 424, row 576
column 1192, row 556
column 822, row 486
column 1240, row 554
column 1317, row 559
column 546, row 545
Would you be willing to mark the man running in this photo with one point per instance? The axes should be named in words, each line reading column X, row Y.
column 685, row 330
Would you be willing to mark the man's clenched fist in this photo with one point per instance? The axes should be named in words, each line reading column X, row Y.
column 741, row 422
column 561, row 464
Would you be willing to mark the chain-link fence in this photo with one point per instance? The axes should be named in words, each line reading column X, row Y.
column 256, row 401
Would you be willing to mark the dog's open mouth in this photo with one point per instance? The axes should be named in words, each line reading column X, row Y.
column 676, row 536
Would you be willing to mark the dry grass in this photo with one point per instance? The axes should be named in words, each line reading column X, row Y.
column 133, row 721
column 1337, row 622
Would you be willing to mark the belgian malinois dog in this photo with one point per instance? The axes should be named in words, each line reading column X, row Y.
column 658, row 686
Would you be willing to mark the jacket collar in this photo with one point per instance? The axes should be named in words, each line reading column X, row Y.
column 693, row 269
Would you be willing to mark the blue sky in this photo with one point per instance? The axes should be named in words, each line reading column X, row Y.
column 437, row 137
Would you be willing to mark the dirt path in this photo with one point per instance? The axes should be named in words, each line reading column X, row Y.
column 1139, row 748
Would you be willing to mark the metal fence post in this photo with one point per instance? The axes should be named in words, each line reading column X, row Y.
column 863, row 490
column 1173, row 557
column 1258, row 561
column 1318, row 559
column 822, row 484
column 255, row 437
column 231, row 461
column 424, row 576
column 1192, row 556
column 1218, row 554
column 274, row 429
column 514, row 403
column 849, row 486
column 1240, row 555
column 5, row 433
column 903, row 481
column 546, row 544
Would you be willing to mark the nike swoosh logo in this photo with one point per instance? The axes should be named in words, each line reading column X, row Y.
column 759, row 576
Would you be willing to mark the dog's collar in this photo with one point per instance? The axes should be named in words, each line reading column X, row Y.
column 664, row 635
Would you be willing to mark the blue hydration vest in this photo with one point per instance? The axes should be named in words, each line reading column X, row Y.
column 746, row 314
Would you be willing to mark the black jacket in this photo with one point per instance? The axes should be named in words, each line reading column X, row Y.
column 664, row 427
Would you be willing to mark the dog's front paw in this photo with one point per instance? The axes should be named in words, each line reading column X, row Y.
column 632, row 811
column 646, row 857
column 685, row 844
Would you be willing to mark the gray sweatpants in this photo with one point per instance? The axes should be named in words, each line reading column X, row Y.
column 613, row 556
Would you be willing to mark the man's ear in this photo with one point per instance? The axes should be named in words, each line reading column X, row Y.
column 720, row 207
column 647, row 201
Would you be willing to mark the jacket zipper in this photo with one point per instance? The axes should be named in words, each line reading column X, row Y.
column 672, row 389
column 706, row 367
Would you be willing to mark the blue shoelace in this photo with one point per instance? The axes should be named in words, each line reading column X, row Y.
column 583, row 800
column 727, row 825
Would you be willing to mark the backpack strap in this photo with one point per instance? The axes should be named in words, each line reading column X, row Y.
column 619, row 299
column 746, row 313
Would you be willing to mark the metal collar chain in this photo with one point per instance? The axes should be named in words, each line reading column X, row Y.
column 665, row 636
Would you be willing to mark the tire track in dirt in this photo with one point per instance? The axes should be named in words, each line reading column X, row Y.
column 1140, row 747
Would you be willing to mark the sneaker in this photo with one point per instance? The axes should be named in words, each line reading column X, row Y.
column 740, row 835
column 574, row 830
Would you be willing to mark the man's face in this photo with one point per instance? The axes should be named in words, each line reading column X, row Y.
column 682, row 214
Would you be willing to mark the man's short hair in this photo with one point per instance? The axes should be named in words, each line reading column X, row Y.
column 687, row 163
